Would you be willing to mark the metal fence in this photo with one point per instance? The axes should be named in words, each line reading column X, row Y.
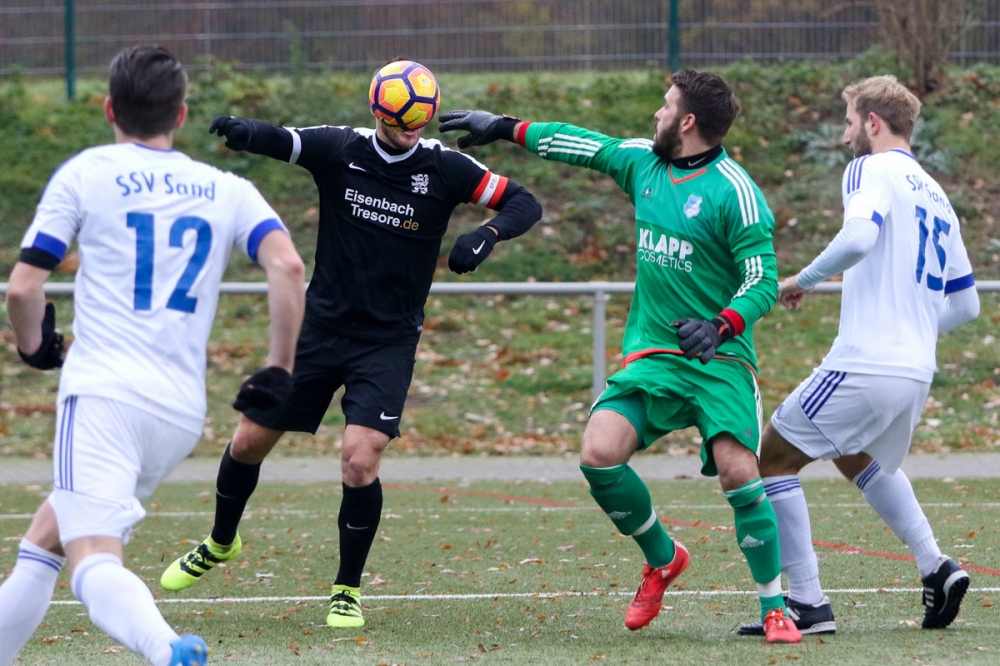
column 455, row 35
column 601, row 291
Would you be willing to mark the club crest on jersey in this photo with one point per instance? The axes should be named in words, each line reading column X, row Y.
column 693, row 206
column 420, row 183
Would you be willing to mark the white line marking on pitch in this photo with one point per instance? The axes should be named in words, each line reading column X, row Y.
column 504, row 509
column 525, row 595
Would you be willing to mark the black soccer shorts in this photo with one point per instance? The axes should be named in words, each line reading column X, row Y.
column 375, row 376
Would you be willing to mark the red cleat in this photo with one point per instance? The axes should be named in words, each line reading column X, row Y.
column 779, row 629
column 648, row 598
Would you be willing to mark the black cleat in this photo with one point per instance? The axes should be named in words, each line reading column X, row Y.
column 943, row 593
column 808, row 618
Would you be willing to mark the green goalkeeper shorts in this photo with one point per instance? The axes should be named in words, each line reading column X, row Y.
column 666, row 392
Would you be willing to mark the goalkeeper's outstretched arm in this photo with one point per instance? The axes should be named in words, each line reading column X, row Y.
column 559, row 142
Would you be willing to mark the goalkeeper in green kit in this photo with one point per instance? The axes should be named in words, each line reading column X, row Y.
column 706, row 272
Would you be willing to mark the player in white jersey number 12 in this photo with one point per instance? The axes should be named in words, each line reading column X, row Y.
column 907, row 277
column 154, row 230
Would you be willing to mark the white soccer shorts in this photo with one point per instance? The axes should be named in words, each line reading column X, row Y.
column 833, row 414
column 108, row 456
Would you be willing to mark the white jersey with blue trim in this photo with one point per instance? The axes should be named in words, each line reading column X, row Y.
column 154, row 231
column 893, row 297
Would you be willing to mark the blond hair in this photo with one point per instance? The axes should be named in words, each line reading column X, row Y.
column 888, row 99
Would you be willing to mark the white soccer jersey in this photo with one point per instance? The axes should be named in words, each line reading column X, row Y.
column 892, row 298
column 154, row 231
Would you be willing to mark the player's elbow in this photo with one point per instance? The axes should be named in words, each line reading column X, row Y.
column 859, row 236
column 533, row 209
column 971, row 306
column 858, row 249
column 289, row 266
column 16, row 294
column 768, row 292
column 26, row 283
column 278, row 257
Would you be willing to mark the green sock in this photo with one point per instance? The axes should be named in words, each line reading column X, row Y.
column 625, row 499
column 768, row 604
column 757, row 535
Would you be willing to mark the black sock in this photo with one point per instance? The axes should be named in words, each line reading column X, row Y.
column 233, row 487
column 360, row 512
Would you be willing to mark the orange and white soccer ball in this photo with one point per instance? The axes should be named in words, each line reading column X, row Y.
column 404, row 95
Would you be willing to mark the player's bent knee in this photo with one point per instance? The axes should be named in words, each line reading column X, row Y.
column 82, row 548
column 44, row 530
column 361, row 468
column 362, row 454
column 358, row 473
column 736, row 463
column 610, row 439
column 252, row 442
column 852, row 465
column 778, row 457
column 604, row 454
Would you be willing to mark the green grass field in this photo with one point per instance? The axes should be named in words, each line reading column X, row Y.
column 530, row 573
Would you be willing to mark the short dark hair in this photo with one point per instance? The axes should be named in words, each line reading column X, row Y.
column 147, row 90
column 710, row 99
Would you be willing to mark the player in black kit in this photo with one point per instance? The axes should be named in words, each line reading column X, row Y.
column 385, row 200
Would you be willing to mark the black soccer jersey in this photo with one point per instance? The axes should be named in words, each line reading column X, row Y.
column 381, row 220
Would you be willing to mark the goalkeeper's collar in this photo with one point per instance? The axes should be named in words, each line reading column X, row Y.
column 697, row 161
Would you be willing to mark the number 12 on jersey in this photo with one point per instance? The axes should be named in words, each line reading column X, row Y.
column 934, row 282
column 145, row 252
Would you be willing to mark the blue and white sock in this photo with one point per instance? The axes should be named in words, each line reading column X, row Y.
column 891, row 495
column 25, row 597
column 798, row 559
column 122, row 606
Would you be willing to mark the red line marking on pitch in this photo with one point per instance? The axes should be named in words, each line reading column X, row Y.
column 672, row 521
column 832, row 546
column 474, row 493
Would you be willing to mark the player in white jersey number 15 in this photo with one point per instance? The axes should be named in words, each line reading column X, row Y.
column 907, row 277
column 155, row 230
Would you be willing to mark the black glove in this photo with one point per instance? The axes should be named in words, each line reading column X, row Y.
column 697, row 336
column 50, row 352
column 237, row 131
column 264, row 389
column 483, row 126
column 471, row 249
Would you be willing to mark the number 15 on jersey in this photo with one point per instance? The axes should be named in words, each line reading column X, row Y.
column 934, row 282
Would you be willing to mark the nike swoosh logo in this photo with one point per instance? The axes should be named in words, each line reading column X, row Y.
column 355, row 166
column 352, row 527
column 698, row 162
column 477, row 250
column 387, row 418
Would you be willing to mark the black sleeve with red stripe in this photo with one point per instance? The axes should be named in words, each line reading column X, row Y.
column 517, row 208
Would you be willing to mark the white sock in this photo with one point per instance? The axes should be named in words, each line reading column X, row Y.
column 25, row 597
column 798, row 559
column 122, row 606
column 891, row 495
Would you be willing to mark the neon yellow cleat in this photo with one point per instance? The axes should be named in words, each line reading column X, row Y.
column 185, row 571
column 345, row 607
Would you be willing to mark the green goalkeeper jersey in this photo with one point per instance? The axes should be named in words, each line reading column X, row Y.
column 703, row 236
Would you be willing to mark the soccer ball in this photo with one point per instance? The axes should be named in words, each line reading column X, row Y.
column 404, row 95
